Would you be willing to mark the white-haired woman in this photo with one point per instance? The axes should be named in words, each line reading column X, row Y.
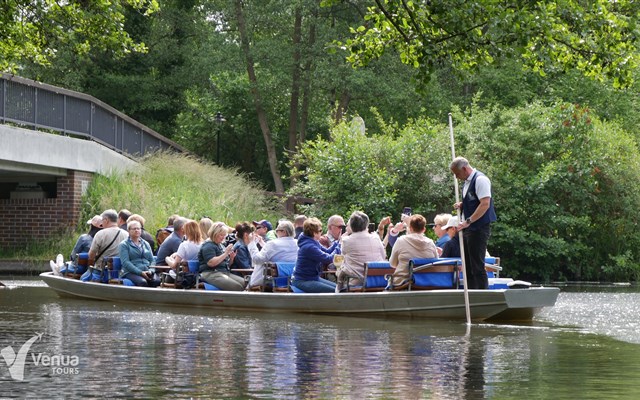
column 358, row 247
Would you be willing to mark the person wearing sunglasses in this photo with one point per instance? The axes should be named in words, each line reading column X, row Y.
column 311, row 259
column 335, row 228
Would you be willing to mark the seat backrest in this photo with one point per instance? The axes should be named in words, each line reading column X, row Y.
column 374, row 274
column 117, row 264
column 434, row 273
column 285, row 270
column 83, row 259
column 114, row 266
column 492, row 266
column 193, row 265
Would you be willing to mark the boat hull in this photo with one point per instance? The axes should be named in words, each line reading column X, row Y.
column 504, row 304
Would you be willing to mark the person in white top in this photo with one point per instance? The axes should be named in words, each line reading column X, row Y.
column 282, row 249
column 188, row 249
column 358, row 247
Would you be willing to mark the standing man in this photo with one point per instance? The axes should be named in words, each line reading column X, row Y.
column 477, row 215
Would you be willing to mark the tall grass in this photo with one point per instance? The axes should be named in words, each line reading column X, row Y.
column 168, row 183
column 162, row 185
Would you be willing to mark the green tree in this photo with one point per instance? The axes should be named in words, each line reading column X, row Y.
column 150, row 86
column 599, row 37
column 379, row 173
column 299, row 83
column 34, row 31
column 561, row 179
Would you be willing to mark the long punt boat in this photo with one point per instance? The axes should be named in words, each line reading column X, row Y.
column 493, row 304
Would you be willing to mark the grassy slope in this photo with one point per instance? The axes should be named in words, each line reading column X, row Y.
column 163, row 185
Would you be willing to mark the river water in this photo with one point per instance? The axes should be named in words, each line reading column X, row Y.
column 586, row 347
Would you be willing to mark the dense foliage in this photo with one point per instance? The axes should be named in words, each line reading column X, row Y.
column 376, row 173
column 277, row 71
column 599, row 38
column 563, row 183
column 34, row 31
column 167, row 184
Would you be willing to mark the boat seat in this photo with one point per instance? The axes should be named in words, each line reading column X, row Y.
column 279, row 275
column 375, row 277
column 82, row 264
column 114, row 266
column 492, row 266
column 208, row 286
column 296, row 290
column 433, row 273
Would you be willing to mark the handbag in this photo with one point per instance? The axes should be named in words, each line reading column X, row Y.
column 185, row 280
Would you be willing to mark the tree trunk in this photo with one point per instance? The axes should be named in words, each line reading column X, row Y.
column 342, row 106
column 255, row 92
column 306, row 84
column 295, row 81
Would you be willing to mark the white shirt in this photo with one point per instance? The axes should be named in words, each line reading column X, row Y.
column 483, row 187
column 284, row 249
column 188, row 250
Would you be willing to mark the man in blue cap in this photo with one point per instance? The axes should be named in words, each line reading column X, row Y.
column 265, row 229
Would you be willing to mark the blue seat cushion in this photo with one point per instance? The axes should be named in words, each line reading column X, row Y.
column 208, row 286
column 434, row 279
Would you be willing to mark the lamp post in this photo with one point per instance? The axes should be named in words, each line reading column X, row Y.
column 219, row 118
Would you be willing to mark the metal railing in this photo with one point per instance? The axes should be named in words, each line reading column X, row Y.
column 41, row 106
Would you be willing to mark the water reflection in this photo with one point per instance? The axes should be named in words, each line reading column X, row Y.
column 138, row 351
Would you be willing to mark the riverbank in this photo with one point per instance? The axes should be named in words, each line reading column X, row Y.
column 15, row 267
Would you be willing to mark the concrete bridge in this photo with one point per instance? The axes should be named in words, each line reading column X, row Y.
column 52, row 142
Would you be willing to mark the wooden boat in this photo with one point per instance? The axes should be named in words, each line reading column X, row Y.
column 494, row 304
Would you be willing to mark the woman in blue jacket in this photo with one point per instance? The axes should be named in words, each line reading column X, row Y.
column 311, row 258
column 137, row 258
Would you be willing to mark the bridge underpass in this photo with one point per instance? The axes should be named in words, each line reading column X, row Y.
column 52, row 142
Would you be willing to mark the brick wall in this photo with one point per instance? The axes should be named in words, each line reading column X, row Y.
column 25, row 220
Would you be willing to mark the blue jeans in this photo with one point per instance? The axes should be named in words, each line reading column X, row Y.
column 140, row 281
column 320, row 286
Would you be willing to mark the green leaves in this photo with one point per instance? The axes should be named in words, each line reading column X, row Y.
column 376, row 173
column 599, row 38
column 33, row 31
column 562, row 183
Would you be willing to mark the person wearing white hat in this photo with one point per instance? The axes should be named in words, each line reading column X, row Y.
column 452, row 247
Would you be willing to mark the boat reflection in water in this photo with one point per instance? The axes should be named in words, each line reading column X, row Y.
column 138, row 351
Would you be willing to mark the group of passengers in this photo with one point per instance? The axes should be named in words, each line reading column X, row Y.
column 222, row 251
